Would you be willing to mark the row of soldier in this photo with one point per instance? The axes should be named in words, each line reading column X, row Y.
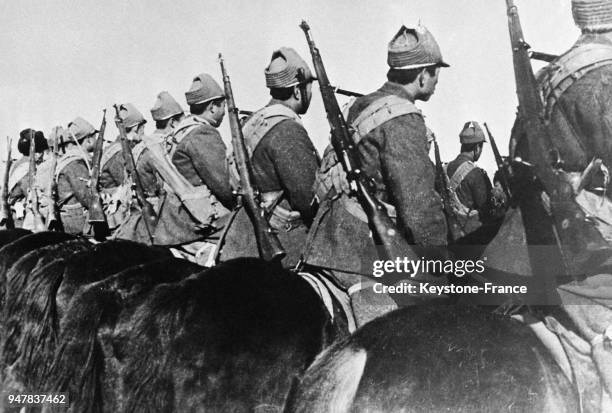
column 186, row 176
column 189, row 180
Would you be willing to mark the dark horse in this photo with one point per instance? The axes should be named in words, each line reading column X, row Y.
column 122, row 326
column 226, row 339
column 436, row 358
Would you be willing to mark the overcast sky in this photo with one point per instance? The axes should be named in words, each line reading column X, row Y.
column 60, row 59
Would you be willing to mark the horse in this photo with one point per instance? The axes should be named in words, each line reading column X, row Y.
column 435, row 358
column 39, row 303
column 229, row 338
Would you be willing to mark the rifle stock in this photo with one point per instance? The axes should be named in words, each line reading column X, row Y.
column 270, row 248
column 148, row 214
column 390, row 243
column 6, row 217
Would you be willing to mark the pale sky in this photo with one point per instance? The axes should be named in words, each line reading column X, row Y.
column 62, row 59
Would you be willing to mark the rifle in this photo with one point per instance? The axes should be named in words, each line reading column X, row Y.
column 6, row 217
column 54, row 219
column 503, row 173
column 574, row 235
column 148, row 214
column 335, row 89
column 95, row 212
column 346, row 92
column 33, row 201
column 455, row 231
column 270, row 248
column 388, row 239
column 544, row 57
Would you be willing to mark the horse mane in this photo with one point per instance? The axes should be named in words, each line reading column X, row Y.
column 16, row 249
column 41, row 309
column 88, row 329
column 226, row 339
column 9, row 235
column 18, row 286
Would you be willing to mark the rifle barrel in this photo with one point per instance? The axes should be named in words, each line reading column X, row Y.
column 270, row 248
column 148, row 214
column 385, row 233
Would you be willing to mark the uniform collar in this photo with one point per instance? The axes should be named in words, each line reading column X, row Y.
column 200, row 120
column 464, row 157
column 391, row 88
column 273, row 102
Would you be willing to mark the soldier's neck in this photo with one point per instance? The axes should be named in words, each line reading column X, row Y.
column 469, row 155
column 412, row 90
column 204, row 116
column 287, row 103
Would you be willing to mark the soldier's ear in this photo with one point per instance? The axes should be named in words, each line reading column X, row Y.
column 421, row 78
column 297, row 93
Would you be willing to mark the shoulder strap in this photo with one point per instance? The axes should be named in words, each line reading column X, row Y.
column 186, row 126
column 460, row 173
column 66, row 159
column 198, row 200
column 109, row 152
column 17, row 173
column 138, row 150
column 571, row 66
column 380, row 111
column 262, row 121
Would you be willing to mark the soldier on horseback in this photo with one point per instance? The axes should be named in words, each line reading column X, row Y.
column 577, row 111
column 115, row 191
column 391, row 137
column 18, row 177
column 72, row 174
column 284, row 160
column 192, row 165
column 470, row 185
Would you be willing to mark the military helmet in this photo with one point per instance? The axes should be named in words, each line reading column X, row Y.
column 413, row 49
column 130, row 115
column 165, row 107
column 23, row 145
column 203, row 89
column 284, row 69
column 471, row 133
column 592, row 15
column 80, row 129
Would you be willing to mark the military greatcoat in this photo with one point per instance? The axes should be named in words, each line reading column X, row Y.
column 199, row 157
column 286, row 160
column 395, row 155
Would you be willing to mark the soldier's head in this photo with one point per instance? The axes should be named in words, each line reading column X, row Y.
column 289, row 79
column 133, row 121
column 593, row 16
column 206, row 99
column 166, row 112
column 40, row 143
column 472, row 139
column 81, row 131
column 414, row 60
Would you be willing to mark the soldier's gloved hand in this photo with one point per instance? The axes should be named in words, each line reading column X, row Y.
column 234, row 176
column 339, row 181
column 19, row 209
